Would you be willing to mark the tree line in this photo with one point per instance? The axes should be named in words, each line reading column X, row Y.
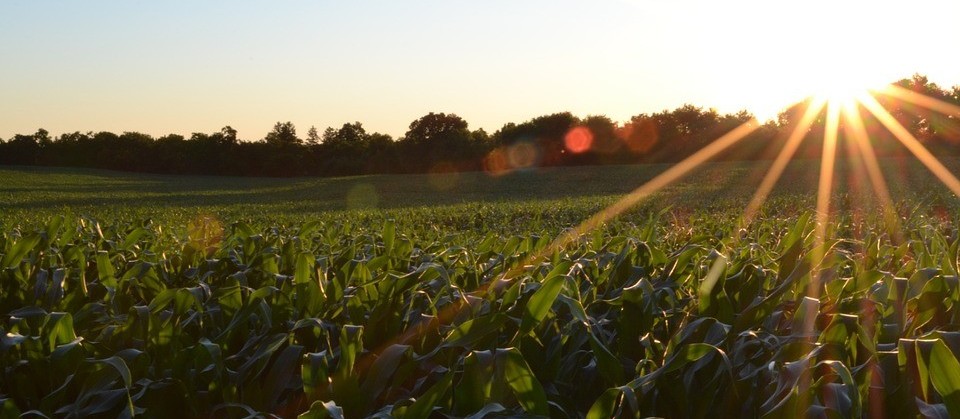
column 444, row 142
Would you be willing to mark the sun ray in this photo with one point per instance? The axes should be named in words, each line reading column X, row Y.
column 662, row 180
column 783, row 158
column 912, row 144
column 818, row 252
column 857, row 132
column 859, row 139
column 824, row 191
column 669, row 176
column 766, row 185
column 674, row 173
column 920, row 99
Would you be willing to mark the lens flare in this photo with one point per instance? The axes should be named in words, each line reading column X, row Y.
column 840, row 108
column 362, row 196
column 496, row 163
column 443, row 176
column 640, row 135
column 578, row 140
column 523, row 155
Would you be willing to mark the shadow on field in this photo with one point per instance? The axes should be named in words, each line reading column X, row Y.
column 31, row 189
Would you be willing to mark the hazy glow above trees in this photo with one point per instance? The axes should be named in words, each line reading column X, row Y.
column 181, row 67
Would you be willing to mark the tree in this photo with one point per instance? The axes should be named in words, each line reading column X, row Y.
column 604, row 133
column 926, row 125
column 228, row 135
column 640, row 134
column 349, row 136
column 21, row 149
column 351, row 150
column 283, row 133
column 437, row 129
column 547, row 132
column 435, row 138
column 43, row 137
column 313, row 138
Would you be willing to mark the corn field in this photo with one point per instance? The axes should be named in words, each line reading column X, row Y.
column 392, row 319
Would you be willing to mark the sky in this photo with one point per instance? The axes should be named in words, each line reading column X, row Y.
column 189, row 66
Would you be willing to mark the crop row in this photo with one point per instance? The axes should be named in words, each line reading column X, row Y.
column 645, row 316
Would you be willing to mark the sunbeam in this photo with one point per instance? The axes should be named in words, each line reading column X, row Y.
column 783, row 158
column 766, row 185
column 662, row 180
column 669, row 176
column 920, row 99
column 857, row 133
column 824, row 190
column 912, row 144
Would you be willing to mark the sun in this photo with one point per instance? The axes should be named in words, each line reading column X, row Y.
column 842, row 91
column 820, row 49
column 845, row 75
column 839, row 80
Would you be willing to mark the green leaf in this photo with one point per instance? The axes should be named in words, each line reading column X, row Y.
column 121, row 368
column 280, row 374
column 528, row 390
column 539, row 304
column 304, row 268
column 945, row 375
column 609, row 365
column 19, row 250
column 424, row 405
column 389, row 233
column 8, row 409
column 351, row 343
column 322, row 410
column 384, row 368
column 133, row 238
column 605, row 406
column 105, row 270
column 315, row 372
column 59, row 329
column 473, row 330
column 705, row 292
column 688, row 353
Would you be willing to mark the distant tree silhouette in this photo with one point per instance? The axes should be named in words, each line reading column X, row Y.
column 228, row 135
column 438, row 138
column 313, row 137
column 283, row 133
column 546, row 132
column 444, row 142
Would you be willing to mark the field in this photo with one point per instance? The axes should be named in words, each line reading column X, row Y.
column 448, row 296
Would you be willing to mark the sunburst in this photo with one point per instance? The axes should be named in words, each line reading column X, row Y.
column 842, row 104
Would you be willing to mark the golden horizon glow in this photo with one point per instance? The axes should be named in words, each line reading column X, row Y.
column 370, row 61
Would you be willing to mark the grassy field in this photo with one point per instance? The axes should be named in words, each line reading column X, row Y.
column 34, row 193
column 447, row 296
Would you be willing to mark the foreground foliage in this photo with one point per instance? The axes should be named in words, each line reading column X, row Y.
column 336, row 319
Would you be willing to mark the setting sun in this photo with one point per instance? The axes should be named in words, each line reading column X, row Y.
column 777, row 53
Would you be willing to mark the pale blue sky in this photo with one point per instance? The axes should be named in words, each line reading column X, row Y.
column 190, row 66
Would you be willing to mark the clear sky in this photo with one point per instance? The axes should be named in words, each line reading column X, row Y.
column 194, row 66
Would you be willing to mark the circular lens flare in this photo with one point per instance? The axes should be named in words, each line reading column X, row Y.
column 578, row 140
